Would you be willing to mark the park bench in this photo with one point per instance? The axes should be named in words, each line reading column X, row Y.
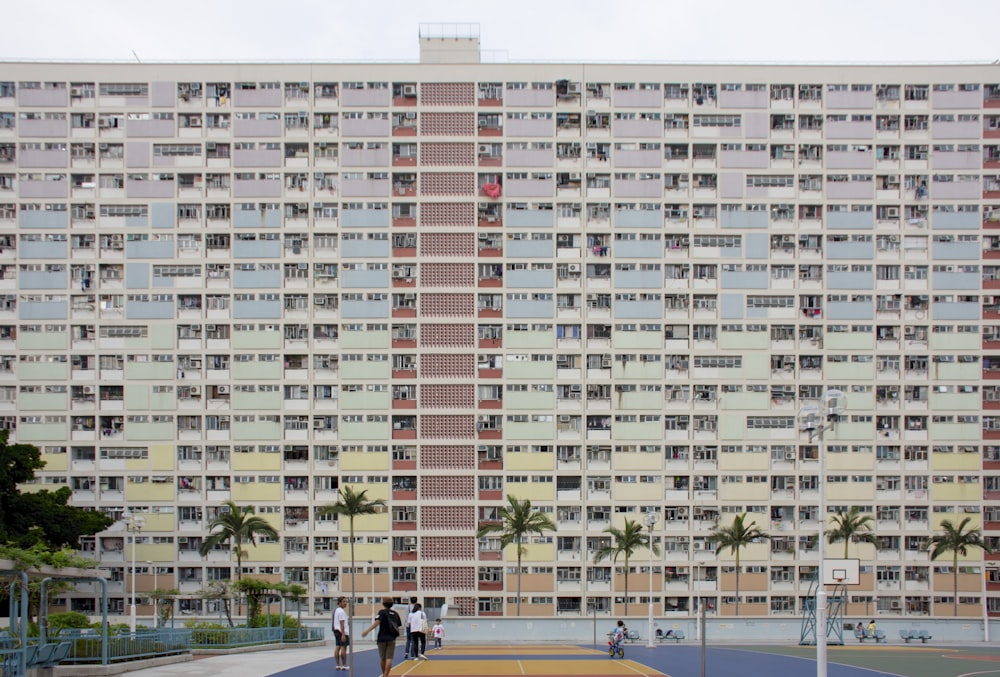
column 676, row 636
column 922, row 635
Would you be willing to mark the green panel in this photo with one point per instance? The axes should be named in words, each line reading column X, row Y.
column 137, row 343
column 529, row 370
column 731, row 426
column 162, row 337
column 42, row 401
column 955, row 341
column 365, row 400
column 959, row 372
column 954, row 401
column 32, row 432
column 644, row 340
column 638, row 400
column 260, row 401
column 150, row 431
column 845, row 340
column 529, row 339
column 258, row 430
column 853, row 431
column 530, row 400
column 365, row 339
column 42, row 340
column 150, row 371
column 638, row 369
column 755, row 367
column 652, row 430
column 737, row 401
column 364, row 369
column 256, row 371
column 42, row 371
column 743, row 340
column 532, row 430
column 955, row 431
column 253, row 340
column 160, row 401
column 377, row 430
column 137, row 396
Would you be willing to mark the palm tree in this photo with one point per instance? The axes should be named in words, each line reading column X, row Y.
column 237, row 526
column 958, row 541
column 350, row 504
column 851, row 525
column 737, row 536
column 625, row 542
column 517, row 520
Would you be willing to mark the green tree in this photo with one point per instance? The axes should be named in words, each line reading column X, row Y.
column 735, row 537
column 39, row 516
column 517, row 520
column 625, row 542
column 958, row 540
column 351, row 504
column 32, row 559
column 851, row 526
column 236, row 526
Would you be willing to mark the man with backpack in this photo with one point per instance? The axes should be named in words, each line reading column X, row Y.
column 388, row 623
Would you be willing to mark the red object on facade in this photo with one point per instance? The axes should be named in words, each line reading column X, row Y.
column 492, row 190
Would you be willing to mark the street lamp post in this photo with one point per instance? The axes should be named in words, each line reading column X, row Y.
column 650, row 523
column 371, row 572
column 156, row 601
column 817, row 421
column 133, row 523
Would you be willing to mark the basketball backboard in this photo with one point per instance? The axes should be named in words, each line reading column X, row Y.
column 841, row 571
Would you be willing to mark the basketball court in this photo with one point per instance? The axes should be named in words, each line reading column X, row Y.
column 682, row 660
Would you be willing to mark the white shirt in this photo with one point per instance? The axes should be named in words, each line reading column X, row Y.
column 341, row 615
column 415, row 619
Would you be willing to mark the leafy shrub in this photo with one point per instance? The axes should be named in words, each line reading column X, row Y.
column 68, row 619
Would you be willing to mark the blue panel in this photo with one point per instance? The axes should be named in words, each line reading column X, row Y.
column 42, row 280
column 529, row 218
column 850, row 220
column 365, row 249
column 42, row 219
column 520, row 279
column 365, row 218
column 256, row 249
column 364, row 309
column 955, row 311
column 638, row 249
column 42, row 250
column 353, row 279
column 731, row 306
column 541, row 249
column 149, row 249
column 251, row 279
column 149, row 310
column 163, row 214
column 137, row 276
column 638, row 279
column 256, row 310
column 848, row 310
column 136, row 221
column 956, row 220
column 850, row 280
column 757, row 245
column 744, row 280
column 962, row 281
column 255, row 218
column 850, row 250
column 42, row 310
column 526, row 308
column 955, row 251
column 638, row 218
column 743, row 219
column 638, row 310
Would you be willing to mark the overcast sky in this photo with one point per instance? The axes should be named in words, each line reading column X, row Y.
column 514, row 30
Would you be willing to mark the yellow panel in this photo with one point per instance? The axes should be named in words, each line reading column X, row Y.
column 361, row 460
column 374, row 491
column 636, row 460
column 850, row 491
column 160, row 521
column 529, row 461
column 639, row 491
column 255, row 461
column 376, row 552
column 850, row 461
column 744, row 461
column 756, row 491
column 263, row 552
column 256, row 491
column 162, row 456
column 56, row 462
column 149, row 491
column 377, row 522
column 533, row 552
column 956, row 461
column 955, row 491
column 541, row 491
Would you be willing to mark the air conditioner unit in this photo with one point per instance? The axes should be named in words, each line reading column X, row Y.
column 892, row 212
column 895, row 605
column 565, row 418
column 409, row 540
column 698, row 545
column 210, row 327
column 210, row 145
column 399, row 274
column 409, row 90
column 573, row 267
column 789, row 455
column 320, row 301
column 88, row 390
column 303, row 266
column 573, row 88
column 195, row 391
column 222, row 390
column 194, row 122
column 484, row 149
column 410, row 116
column 182, row 540
column 894, row 238
column 575, row 388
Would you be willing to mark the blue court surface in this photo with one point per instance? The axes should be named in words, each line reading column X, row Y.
column 675, row 660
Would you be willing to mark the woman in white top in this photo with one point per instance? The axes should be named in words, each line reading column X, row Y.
column 416, row 621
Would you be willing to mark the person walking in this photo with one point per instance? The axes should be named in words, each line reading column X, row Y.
column 417, row 622
column 388, row 623
column 408, row 651
column 438, row 633
column 341, row 634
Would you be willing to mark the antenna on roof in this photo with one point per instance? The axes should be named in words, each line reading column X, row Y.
column 136, row 56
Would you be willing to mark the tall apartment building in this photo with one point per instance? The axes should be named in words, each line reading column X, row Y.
column 605, row 288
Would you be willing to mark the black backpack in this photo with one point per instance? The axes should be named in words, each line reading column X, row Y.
column 388, row 624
